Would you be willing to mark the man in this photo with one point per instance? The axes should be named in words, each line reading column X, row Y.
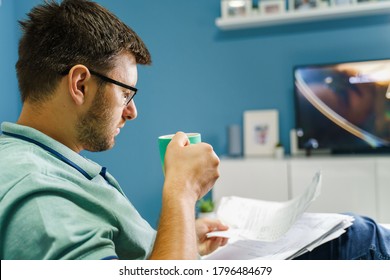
column 77, row 75
column 77, row 72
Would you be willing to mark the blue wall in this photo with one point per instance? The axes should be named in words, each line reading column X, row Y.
column 9, row 96
column 202, row 79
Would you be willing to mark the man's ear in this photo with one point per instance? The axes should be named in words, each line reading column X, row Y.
column 78, row 79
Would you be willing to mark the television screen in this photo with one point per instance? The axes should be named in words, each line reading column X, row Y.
column 343, row 107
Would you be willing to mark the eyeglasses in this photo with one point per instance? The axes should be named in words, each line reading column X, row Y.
column 127, row 98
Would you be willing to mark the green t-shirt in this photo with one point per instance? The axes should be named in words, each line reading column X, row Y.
column 51, row 210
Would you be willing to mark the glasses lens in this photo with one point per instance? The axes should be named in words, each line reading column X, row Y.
column 129, row 98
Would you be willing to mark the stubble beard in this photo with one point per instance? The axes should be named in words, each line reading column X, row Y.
column 94, row 131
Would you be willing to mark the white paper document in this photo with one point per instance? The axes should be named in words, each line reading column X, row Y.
column 265, row 220
column 310, row 231
column 275, row 230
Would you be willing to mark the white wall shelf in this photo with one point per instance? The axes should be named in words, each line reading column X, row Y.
column 288, row 17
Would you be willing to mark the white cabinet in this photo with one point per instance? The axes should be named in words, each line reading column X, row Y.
column 383, row 189
column 253, row 178
column 349, row 183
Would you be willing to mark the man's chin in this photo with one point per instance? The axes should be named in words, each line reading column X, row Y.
column 101, row 147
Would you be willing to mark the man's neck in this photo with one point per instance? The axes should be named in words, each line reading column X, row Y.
column 54, row 125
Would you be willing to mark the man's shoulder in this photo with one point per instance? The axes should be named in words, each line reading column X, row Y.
column 17, row 156
column 26, row 167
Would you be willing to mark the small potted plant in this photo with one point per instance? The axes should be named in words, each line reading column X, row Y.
column 206, row 208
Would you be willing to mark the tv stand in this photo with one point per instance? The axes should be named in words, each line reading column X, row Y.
column 369, row 152
column 359, row 184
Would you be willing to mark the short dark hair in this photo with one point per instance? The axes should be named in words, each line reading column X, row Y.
column 59, row 36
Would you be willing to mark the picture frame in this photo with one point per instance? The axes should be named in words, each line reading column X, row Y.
column 261, row 132
column 271, row 7
column 303, row 5
column 234, row 8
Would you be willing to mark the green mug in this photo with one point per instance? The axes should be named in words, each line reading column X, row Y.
column 164, row 140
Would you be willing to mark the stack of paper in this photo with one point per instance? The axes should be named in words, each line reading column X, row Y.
column 276, row 230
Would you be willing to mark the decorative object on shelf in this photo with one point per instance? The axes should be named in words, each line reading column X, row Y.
column 279, row 151
column 261, row 132
column 271, row 7
column 234, row 140
column 233, row 8
column 324, row 3
column 310, row 145
column 294, row 150
column 342, row 2
column 302, row 5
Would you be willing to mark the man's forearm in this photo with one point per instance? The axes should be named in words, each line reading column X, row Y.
column 176, row 236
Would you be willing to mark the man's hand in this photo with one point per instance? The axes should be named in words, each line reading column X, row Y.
column 190, row 169
column 209, row 245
